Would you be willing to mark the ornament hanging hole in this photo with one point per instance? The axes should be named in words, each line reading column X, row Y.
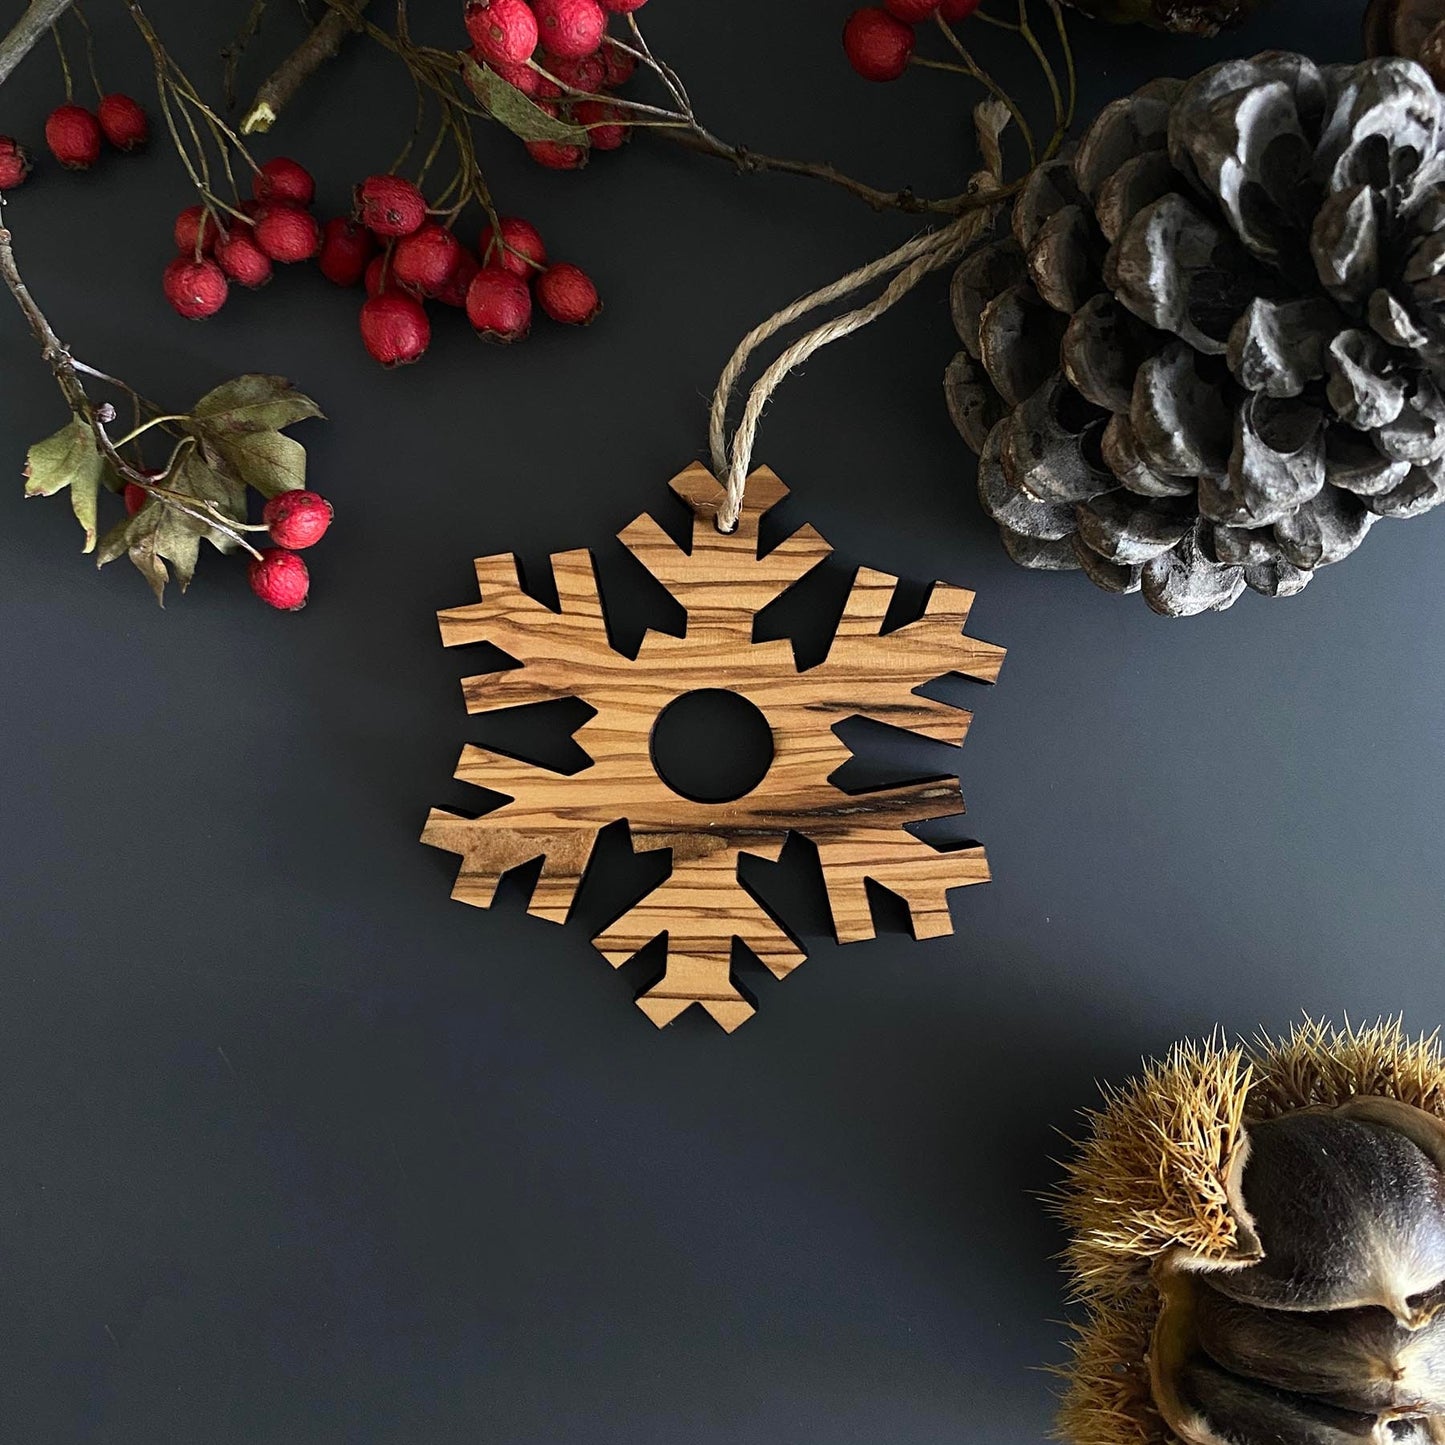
column 711, row 745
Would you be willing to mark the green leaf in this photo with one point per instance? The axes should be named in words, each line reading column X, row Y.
column 71, row 459
column 505, row 103
column 84, row 494
column 266, row 460
column 158, row 534
column 251, row 403
column 178, row 540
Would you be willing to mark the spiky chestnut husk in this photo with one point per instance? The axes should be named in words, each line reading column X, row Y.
column 286, row 233
column 346, row 248
column 15, row 163
column 395, row 328
column 1211, row 354
column 877, row 44
column 282, row 179
column 124, row 122
column 73, row 135
column 390, row 206
column 519, row 248
column 243, row 261
column 297, row 519
column 425, row 259
column 1255, row 1232
column 503, row 31
column 499, row 305
column 196, row 289
column 570, row 28
column 280, row 579
column 567, row 294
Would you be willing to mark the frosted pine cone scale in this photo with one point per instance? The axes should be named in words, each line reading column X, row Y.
column 1209, row 354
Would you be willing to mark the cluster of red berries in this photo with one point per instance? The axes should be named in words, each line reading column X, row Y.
column 878, row 40
column 294, row 521
column 535, row 44
column 393, row 245
column 214, row 250
column 75, row 135
column 495, row 284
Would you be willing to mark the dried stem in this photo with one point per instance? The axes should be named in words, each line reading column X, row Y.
column 40, row 16
column 67, row 377
column 321, row 45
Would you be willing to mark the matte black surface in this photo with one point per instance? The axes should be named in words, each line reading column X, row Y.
column 295, row 1149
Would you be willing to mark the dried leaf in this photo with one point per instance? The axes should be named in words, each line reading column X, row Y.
column 71, row 459
column 251, row 403
column 266, row 460
column 505, row 103
column 989, row 119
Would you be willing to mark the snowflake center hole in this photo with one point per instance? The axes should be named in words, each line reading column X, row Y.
column 711, row 746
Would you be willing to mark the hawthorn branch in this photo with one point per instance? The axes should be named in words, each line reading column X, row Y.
column 66, row 371
column 37, row 19
column 323, row 44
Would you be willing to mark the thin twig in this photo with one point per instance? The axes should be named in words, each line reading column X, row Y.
column 23, row 35
column 321, row 45
column 67, row 377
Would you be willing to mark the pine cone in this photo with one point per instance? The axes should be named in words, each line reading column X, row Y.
column 1185, row 17
column 1211, row 353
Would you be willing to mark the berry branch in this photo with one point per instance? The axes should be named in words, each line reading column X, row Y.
column 26, row 31
column 229, row 441
column 323, row 44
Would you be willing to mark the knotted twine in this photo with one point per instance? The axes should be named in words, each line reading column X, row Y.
column 908, row 265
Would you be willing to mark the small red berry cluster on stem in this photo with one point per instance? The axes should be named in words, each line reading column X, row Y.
column 878, row 39
column 217, row 243
column 558, row 54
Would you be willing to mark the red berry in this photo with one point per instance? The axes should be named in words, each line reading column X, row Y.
column 958, row 9
column 378, row 276
column 570, row 28
column 911, row 12
column 454, row 292
column 519, row 251
column 287, row 233
column 566, row 293
column 623, row 7
column 196, row 289
column 877, row 45
column 499, row 305
column 502, row 30
column 73, row 135
column 424, row 260
column 395, row 328
column 606, row 128
column 135, row 497
column 587, row 74
column 556, row 155
column 390, row 206
column 194, row 224
column 620, row 66
column 297, row 519
column 346, row 247
column 282, row 179
column 124, row 121
column 14, row 163
column 519, row 77
column 280, row 579
column 243, row 261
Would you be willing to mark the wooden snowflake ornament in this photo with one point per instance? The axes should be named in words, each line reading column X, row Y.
column 702, row 906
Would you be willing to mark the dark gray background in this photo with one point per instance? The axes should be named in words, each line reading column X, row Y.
column 295, row 1149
